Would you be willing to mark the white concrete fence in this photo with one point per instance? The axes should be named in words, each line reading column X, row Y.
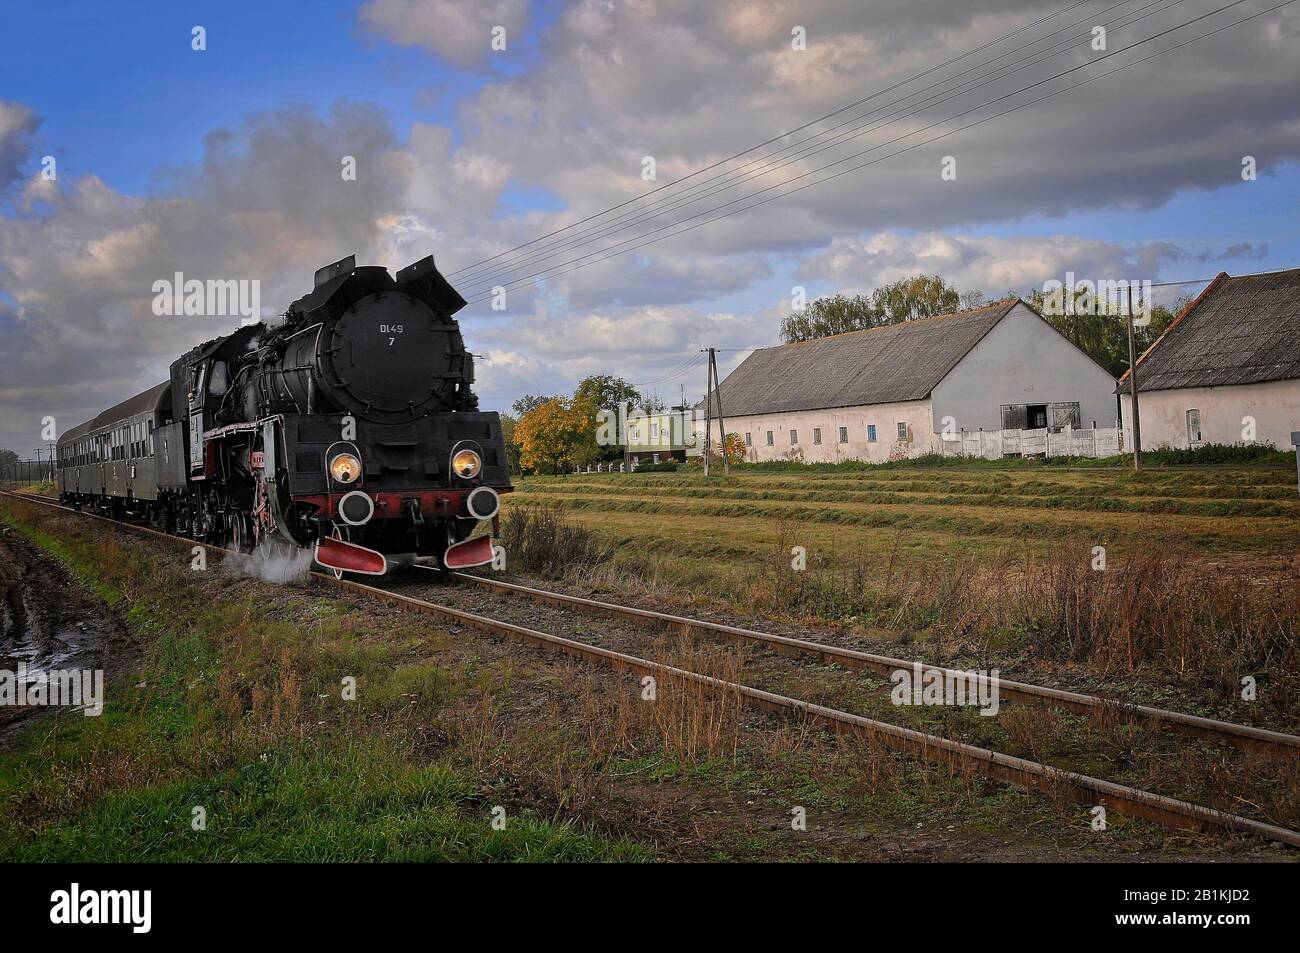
column 995, row 444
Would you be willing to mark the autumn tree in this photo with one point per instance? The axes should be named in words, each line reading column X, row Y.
column 556, row 436
column 734, row 448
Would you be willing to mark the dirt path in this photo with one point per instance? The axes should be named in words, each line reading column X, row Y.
column 50, row 621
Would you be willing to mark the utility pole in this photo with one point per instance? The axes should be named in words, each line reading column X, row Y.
column 712, row 389
column 708, row 413
column 1133, row 388
column 722, row 424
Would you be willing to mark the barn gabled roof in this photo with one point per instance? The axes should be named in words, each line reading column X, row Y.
column 877, row 366
column 1243, row 330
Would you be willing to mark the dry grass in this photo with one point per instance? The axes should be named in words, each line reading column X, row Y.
column 539, row 538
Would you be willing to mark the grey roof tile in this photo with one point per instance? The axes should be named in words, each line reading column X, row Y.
column 877, row 366
column 1245, row 330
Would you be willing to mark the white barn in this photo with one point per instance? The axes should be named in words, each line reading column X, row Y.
column 1226, row 370
column 887, row 393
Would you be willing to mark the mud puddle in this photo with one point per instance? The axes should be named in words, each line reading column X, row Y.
column 50, row 626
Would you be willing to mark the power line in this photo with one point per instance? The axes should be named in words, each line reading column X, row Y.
column 549, row 273
column 686, row 368
column 628, row 219
column 788, row 132
column 830, row 165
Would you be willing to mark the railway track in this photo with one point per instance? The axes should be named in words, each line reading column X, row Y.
column 1245, row 737
column 958, row 756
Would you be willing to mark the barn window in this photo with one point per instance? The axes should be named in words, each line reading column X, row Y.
column 1193, row 427
column 902, row 430
column 844, row 435
column 749, row 439
column 769, row 438
column 794, row 437
column 817, row 435
column 871, row 433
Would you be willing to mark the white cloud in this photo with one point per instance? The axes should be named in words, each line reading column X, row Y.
column 459, row 32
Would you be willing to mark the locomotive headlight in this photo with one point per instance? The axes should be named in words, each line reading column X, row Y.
column 466, row 464
column 345, row 468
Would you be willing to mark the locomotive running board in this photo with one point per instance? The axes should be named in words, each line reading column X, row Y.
column 349, row 557
column 467, row 555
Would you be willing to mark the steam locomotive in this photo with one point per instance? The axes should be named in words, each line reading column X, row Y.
column 350, row 428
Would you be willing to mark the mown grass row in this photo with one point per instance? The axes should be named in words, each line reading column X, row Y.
column 1210, row 535
column 1220, row 488
column 1076, row 502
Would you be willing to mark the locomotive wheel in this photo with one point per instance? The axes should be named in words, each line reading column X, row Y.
column 239, row 536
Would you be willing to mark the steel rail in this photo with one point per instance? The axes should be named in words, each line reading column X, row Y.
column 1246, row 737
column 1030, row 775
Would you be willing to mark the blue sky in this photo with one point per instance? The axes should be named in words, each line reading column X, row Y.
column 470, row 151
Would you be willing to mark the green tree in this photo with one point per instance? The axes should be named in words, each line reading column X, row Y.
column 920, row 296
column 605, row 392
column 7, row 458
column 1100, row 328
column 508, row 426
column 526, row 403
column 823, row 317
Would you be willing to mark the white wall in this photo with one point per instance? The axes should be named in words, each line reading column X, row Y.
column 915, row 413
column 1274, row 405
column 1023, row 360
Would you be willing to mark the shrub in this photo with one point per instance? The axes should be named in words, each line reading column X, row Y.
column 539, row 538
column 667, row 467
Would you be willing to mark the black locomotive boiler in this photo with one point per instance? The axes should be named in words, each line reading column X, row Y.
column 350, row 428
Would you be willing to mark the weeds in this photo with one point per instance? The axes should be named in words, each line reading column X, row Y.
column 541, row 539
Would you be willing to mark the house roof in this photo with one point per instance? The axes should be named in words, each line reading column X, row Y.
column 877, row 366
column 1243, row 330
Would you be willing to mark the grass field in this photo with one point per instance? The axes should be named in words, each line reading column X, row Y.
column 1201, row 575
column 917, row 514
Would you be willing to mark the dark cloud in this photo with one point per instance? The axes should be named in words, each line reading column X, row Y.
column 17, row 124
